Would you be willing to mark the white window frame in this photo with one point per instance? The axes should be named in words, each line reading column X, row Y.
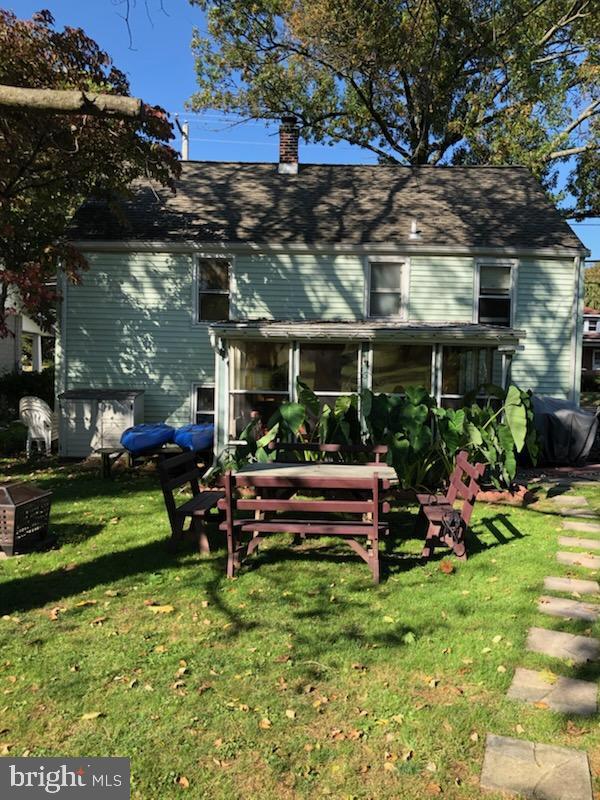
column 196, row 322
column 588, row 326
column 513, row 265
column 595, row 360
column 194, row 399
column 403, row 288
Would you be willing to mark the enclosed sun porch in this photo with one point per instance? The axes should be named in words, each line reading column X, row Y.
column 258, row 363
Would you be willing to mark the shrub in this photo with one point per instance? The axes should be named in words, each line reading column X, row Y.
column 15, row 385
column 13, row 439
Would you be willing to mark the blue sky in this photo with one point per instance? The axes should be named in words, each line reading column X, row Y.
column 160, row 68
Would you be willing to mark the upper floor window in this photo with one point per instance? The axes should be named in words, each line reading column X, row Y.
column 213, row 278
column 495, row 294
column 591, row 325
column 386, row 281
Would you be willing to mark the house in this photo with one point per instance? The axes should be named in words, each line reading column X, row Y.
column 590, row 359
column 215, row 299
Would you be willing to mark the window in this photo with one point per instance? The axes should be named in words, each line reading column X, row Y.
column 213, row 275
column 495, row 288
column 203, row 404
column 259, row 382
column 385, row 287
column 591, row 325
column 396, row 366
column 596, row 360
column 463, row 370
column 329, row 369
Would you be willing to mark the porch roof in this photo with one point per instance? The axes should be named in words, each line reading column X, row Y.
column 366, row 330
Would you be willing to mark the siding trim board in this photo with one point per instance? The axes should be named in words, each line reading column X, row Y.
column 369, row 248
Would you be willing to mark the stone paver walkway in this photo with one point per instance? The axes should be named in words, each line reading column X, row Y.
column 571, row 609
column 578, row 649
column 584, row 527
column 571, row 585
column 537, row 771
column 579, row 559
column 577, row 541
column 565, row 695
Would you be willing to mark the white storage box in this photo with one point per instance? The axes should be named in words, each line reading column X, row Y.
column 95, row 418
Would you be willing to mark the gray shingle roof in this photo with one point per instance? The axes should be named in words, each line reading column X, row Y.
column 241, row 202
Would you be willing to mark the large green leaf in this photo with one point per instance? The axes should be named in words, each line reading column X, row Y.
column 269, row 436
column 508, row 446
column 308, row 398
column 516, row 417
column 293, row 414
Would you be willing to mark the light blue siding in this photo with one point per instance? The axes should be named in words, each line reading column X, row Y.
column 441, row 289
column 129, row 325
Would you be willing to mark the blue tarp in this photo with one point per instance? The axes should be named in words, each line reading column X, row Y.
column 195, row 437
column 145, row 437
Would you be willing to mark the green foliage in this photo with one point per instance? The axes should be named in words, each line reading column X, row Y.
column 416, row 81
column 591, row 279
column 12, row 439
column 423, row 439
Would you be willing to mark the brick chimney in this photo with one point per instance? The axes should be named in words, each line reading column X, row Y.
column 288, row 146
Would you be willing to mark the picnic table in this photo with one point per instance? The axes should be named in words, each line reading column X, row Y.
column 354, row 490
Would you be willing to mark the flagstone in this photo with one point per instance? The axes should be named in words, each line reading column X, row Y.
column 557, row 644
column 577, row 512
column 537, row 771
column 584, row 527
column 553, row 584
column 579, row 559
column 572, row 609
column 565, row 695
column 576, row 541
column 570, row 499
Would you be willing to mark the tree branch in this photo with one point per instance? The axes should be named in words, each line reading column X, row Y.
column 571, row 151
column 71, row 102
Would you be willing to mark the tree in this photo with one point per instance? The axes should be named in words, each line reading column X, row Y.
column 591, row 279
column 417, row 81
column 61, row 141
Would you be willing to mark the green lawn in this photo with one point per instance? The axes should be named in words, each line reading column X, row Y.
column 299, row 679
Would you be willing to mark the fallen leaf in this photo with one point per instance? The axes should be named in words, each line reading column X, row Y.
column 160, row 648
column 82, row 603
column 54, row 612
column 183, row 782
column 497, row 639
column 540, row 704
column 433, row 789
column 359, row 667
column 431, row 767
column 114, row 520
column 290, row 713
column 264, row 724
column 574, row 730
column 548, row 676
column 205, row 604
column 161, row 609
column 474, row 737
column 92, row 715
column 519, row 729
column 389, row 767
column 203, row 688
column 486, row 650
column 501, row 668
column 111, row 593
column 407, row 755
column 446, row 566
column 4, row 748
column 98, row 621
column 388, row 619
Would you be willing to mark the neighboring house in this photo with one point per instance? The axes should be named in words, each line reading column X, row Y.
column 11, row 346
column 215, row 299
column 590, row 360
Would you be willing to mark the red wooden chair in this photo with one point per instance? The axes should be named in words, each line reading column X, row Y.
column 445, row 524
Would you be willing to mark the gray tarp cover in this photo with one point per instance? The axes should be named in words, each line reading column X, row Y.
column 567, row 432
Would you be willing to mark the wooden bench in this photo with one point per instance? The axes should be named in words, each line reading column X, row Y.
column 176, row 472
column 271, row 515
column 437, row 510
column 332, row 452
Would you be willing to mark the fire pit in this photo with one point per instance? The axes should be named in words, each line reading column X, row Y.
column 24, row 517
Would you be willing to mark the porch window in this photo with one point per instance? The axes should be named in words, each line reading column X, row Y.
column 213, row 277
column 495, row 290
column 463, row 370
column 397, row 366
column 203, row 404
column 329, row 369
column 259, row 382
column 386, row 287
column 596, row 360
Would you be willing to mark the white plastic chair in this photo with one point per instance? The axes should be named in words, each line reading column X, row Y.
column 42, row 424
